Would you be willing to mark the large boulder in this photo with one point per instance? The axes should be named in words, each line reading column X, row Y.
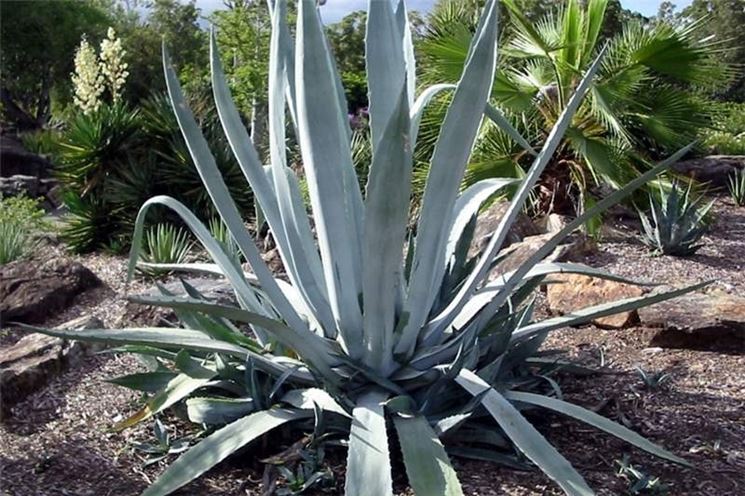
column 17, row 160
column 489, row 220
column 570, row 292
column 714, row 170
column 709, row 321
column 35, row 359
column 31, row 291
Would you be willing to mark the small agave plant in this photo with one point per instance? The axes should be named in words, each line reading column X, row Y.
column 677, row 223
column 380, row 328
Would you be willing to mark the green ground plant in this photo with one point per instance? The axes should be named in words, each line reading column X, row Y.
column 379, row 327
column 737, row 187
column 164, row 244
column 726, row 135
column 21, row 221
column 676, row 221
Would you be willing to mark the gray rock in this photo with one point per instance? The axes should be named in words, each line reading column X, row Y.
column 35, row 359
column 714, row 170
column 217, row 290
column 710, row 321
column 489, row 220
column 17, row 160
column 31, row 290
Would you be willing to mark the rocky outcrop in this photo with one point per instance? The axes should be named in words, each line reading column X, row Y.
column 714, row 170
column 35, row 359
column 16, row 160
column 31, row 290
column 47, row 189
column 569, row 292
column 710, row 321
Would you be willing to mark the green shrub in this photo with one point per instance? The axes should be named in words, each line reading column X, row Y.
column 21, row 220
column 727, row 134
column 164, row 244
column 371, row 331
column 676, row 222
column 112, row 160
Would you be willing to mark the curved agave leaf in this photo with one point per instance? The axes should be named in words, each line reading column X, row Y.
column 328, row 163
column 177, row 389
column 311, row 398
column 223, row 202
column 448, row 164
column 219, row 445
column 525, row 436
column 541, row 161
column 427, row 465
column 316, row 351
column 603, row 310
column 300, row 252
column 215, row 411
column 594, row 420
column 368, row 460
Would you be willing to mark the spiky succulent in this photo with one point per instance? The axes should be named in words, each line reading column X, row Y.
column 676, row 221
column 164, row 244
column 379, row 327
column 737, row 187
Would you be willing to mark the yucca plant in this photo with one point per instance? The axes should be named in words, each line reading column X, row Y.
column 737, row 187
column 378, row 329
column 164, row 244
column 676, row 221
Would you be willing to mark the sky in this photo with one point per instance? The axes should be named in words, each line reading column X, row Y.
column 334, row 10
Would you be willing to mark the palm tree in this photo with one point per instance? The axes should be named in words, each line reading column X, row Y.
column 640, row 105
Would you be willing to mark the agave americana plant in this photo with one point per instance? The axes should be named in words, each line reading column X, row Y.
column 380, row 327
column 678, row 221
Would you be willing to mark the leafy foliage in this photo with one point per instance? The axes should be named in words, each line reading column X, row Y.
column 378, row 323
column 727, row 133
column 39, row 40
column 111, row 161
column 676, row 222
column 638, row 108
column 21, row 220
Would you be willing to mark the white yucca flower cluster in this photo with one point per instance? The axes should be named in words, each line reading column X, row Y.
column 113, row 67
column 87, row 78
column 95, row 73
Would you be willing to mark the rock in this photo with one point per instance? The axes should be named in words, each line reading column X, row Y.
column 552, row 223
column 30, row 290
column 489, row 220
column 17, row 160
column 19, row 185
column 714, row 170
column 35, row 359
column 570, row 292
column 711, row 321
column 573, row 248
column 217, row 290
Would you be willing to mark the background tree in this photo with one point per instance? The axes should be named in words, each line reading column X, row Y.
column 347, row 39
column 38, row 45
column 243, row 33
column 725, row 20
